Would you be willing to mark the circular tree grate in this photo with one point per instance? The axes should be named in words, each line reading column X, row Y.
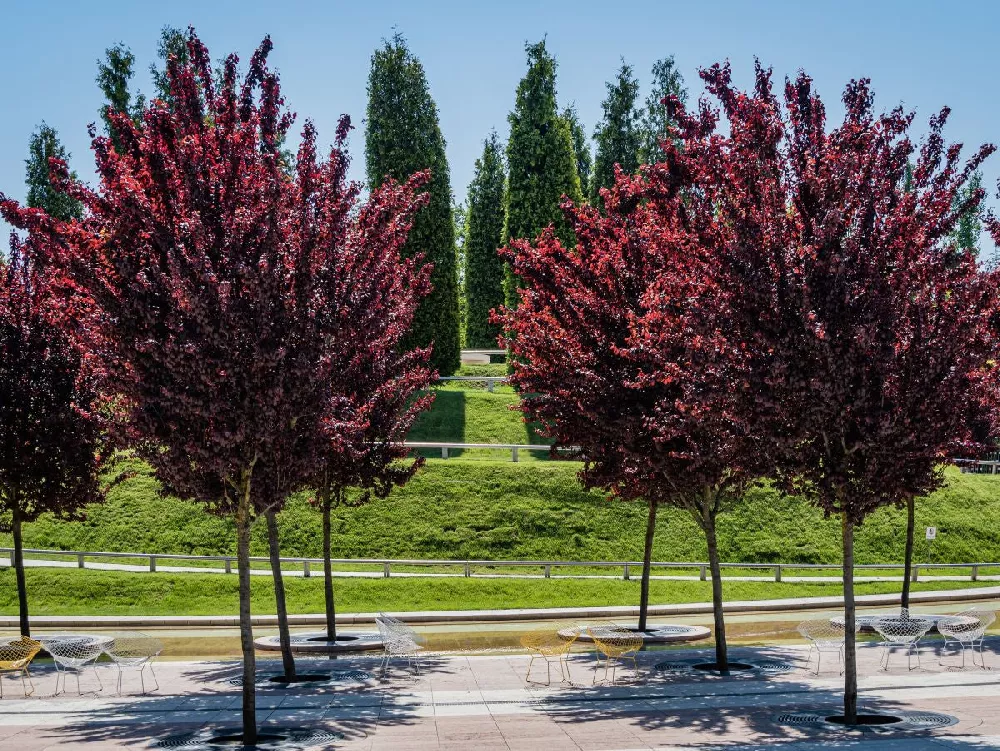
column 269, row 739
column 896, row 721
column 333, row 676
column 756, row 669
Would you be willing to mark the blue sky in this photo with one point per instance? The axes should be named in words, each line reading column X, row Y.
column 918, row 53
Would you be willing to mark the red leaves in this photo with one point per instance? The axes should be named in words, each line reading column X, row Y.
column 250, row 318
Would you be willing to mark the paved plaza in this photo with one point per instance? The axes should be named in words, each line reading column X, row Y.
column 482, row 702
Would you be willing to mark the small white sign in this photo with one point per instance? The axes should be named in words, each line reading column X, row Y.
column 931, row 533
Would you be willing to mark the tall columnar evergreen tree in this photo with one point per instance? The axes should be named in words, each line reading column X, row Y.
column 618, row 135
column 656, row 122
column 224, row 291
column 402, row 137
column 44, row 145
column 172, row 44
column 541, row 160
column 581, row 146
column 50, row 432
column 970, row 224
column 484, row 267
column 114, row 78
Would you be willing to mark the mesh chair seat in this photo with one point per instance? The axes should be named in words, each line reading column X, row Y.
column 15, row 657
column 824, row 635
column 902, row 631
column 616, row 644
column 132, row 650
column 966, row 631
column 398, row 640
column 73, row 653
column 551, row 647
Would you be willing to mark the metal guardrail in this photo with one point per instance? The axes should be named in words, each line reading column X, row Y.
column 978, row 466
column 629, row 568
column 490, row 381
column 514, row 448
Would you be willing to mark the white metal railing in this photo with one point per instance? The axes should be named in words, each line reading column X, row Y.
column 513, row 448
column 629, row 568
column 490, row 381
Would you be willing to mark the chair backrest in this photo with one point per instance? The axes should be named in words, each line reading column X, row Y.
column 968, row 625
column 397, row 637
column 612, row 639
column 134, row 646
column 18, row 652
column 822, row 631
column 70, row 649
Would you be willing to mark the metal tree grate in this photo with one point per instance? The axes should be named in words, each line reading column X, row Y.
column 291, row 739
column 909, row 721
column 335, row 676
column 758, row 668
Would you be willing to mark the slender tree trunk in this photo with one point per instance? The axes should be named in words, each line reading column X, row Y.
column 22, row 588
column 331, row 610
column 246, row 627
column 850, row 656
column 647, row 558
column 284, row 635
column 721, row 648
column 904, row 600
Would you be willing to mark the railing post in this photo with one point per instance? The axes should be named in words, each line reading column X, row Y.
column 916, row 571
column 489, row 386
column 975, row 573
column 548, row 571
column 229, row 565
column 444, row 452
column 777, row 573
column 703, row 574
column 79, row 560
column 468, row 569
column 385, row 570
column 513, row 454
column 626, row 572
column 305, row 569
column 152, row 563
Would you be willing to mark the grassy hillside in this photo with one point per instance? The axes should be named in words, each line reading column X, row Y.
column 480, row 506
column 495, row 510
column 70, row 592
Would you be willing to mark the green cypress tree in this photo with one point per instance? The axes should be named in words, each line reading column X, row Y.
column 667, row 81
column 172, row 43
column 584, row 161
column 618, row 135
column 541, row 160
column 44, row 144
column 403, row 136
column 484, row 268
column 970, row 224
column 114, row 76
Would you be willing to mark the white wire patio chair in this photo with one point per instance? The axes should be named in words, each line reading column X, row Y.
column 824, row 636
column 966, row 631
column 901, row 632
column 398, row 640
column 615, row 644
column 74, row 654
column 135, row 651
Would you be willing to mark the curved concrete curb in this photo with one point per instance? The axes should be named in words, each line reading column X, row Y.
column 315, row 642
column 480, row 616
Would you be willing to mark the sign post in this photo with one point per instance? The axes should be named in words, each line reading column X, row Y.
column 931, row 535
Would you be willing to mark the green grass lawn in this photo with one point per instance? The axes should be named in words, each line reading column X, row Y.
column 499, row 510
column 74, row 592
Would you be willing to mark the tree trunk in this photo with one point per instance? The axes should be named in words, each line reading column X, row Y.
column 284, row 635
column 246, row 627
column 331, row 611
column 904, row 600
column 721, row 650
column 22, row 588
column 850, row 656
column 647, row 558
